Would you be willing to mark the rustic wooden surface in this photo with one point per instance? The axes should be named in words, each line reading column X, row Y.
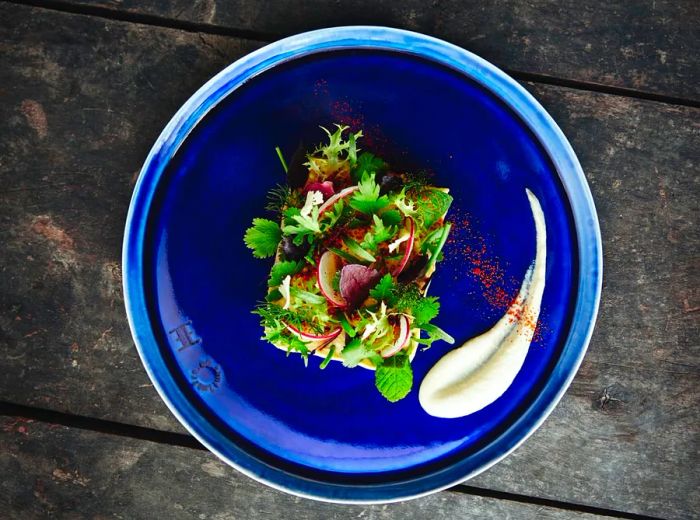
column 649, row 45
column 82, row 98
column 58, row 469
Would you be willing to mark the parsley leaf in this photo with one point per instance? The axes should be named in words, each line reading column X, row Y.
column 281, row 270
column 394, row 377
column 384, row 290
column 366, row 199
column 263, row 237
column 304, row 221
column 367, row 162
column 391, row 217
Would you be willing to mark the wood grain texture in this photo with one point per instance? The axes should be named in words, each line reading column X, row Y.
column 77, row 474
column 83, row 98
column 651, row 45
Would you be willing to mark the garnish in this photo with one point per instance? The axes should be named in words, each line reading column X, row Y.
column 263, row 237
column 355, row 244
column 394, row 377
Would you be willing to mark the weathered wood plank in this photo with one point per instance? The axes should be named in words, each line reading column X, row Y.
column 84, row 98
column 650, row 46
column 70, row 473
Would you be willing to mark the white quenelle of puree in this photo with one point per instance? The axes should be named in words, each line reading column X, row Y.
column 471, row 377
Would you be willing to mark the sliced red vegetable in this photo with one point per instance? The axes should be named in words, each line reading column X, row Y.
column 356, row 281
column 409, row 245
column 335, row 198
column 326, row 337
column 325, row 187
column 401, row 340
column 328, row 267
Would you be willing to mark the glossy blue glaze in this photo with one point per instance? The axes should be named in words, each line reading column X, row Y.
column 190, row 283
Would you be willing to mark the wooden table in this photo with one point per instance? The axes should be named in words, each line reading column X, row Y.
column 87, row 86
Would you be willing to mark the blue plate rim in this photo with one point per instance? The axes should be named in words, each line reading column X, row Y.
column 493, row 79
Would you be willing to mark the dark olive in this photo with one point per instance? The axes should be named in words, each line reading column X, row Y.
column 413, row 270
column 291, row 251
column 298, row 173
column 390, row 182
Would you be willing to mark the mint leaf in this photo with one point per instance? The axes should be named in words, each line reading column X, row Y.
column 263, row 237
column 394, row 377
column 281, row 270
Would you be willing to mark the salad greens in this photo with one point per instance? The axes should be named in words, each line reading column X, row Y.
column 355, row 244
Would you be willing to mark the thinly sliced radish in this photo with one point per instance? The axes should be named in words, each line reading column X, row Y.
column 328, row 267
column 402, row 339
column 409, row 246
column 314, row 337
column 335, row 198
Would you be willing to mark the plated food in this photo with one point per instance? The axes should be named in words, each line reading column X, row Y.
column 355, row 244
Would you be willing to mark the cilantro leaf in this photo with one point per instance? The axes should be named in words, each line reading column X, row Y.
column 281, row 270
column 384, row 290
column 263, row 237
column 366, row 199
column 394, row 377
column 379, row 233
column 367, row 162
column 424, row 310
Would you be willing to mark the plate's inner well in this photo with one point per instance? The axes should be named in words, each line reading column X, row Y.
column 417, row 115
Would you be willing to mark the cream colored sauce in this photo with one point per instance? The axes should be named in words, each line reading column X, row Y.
column 472, row 376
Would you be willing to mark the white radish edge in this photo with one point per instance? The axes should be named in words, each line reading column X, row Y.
column 314, row 337
column 409, row 246
column 335, row 198
column 325, row 279
column 401, row 341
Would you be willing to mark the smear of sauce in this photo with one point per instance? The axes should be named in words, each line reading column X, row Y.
column 471, row 377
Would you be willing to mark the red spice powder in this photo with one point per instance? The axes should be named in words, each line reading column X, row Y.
column 477, row 262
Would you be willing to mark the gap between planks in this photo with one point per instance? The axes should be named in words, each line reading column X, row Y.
column 186, row 441
column 263, row 37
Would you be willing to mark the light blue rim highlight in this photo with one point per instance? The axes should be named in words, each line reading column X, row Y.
column 495, row 80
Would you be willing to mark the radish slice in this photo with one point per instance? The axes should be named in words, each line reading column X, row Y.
column 328, row 266
column 401, row 340
column 409, row 246
column 314, row 337
column 335, row 198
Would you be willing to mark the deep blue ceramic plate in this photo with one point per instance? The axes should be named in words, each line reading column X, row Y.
column 190, row 283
